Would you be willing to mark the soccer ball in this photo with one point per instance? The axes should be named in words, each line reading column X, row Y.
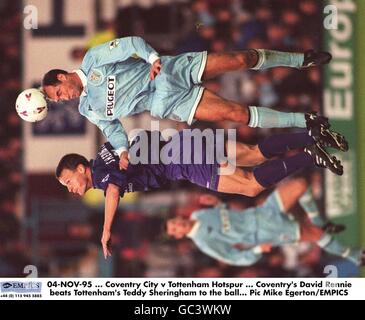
column 31, row 105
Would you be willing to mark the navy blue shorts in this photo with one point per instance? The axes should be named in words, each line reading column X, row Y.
column 205, row 176
column 195, row 161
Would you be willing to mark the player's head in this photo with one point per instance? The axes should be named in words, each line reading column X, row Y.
column 59, row 85
column 73, row 172
column 178, row 227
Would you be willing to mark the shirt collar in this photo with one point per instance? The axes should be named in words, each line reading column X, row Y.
column 194, row 229
column 83, row 79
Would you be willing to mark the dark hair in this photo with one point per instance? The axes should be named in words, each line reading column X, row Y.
column 71, row 161
column 50, row 78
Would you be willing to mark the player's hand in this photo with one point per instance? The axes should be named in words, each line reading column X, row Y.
column 155, row 69
column 105, row 239
column 124, row 160
column 266, row 247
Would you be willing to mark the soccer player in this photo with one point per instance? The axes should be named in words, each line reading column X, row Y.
column 79, row 175
column 127, row 76
column 240, row 237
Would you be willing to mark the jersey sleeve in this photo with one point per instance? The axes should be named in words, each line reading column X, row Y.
column 118, row 179
column 114, row 133
column 107, row 170
column 113, row 176
column 121, row 49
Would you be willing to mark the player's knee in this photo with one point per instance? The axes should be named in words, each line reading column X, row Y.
column 248, row 58
column 237, row 113
column 300, row 184
column 241, row 57
column 259, row 157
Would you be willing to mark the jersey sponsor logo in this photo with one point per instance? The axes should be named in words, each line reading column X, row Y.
column 107, row 156
column 226, row 223
column 106, row 178
column 110, row 96
column 113, row 44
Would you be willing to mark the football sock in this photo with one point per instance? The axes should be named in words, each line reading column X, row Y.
column 271, row 172
column 270, row 58
column 262, row 117
column 281, row 143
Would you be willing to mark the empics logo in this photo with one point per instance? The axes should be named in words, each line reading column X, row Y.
column 110, row 96
column 22, row 287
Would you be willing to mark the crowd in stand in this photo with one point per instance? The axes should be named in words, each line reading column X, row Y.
column 12, row 258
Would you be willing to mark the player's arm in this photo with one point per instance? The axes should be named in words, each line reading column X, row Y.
column 116, row 135
column 111, row 204
column 121, row 49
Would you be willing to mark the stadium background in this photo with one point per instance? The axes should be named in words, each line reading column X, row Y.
column 42, row 225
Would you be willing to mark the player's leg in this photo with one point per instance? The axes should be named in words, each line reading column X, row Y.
column 240, row 182
column 212, row 107
column 259, row 59
column 327, row 242
column 279, row 144
column 204, row 105
column 270, row 173
column 245, row 155
column 273, row 171
column 331, row 245
column 218, row 63
column 312, row 233
column 290, row 192
column 253, row 155
column 309, row 232
column 215, row 108
column 311, row 210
